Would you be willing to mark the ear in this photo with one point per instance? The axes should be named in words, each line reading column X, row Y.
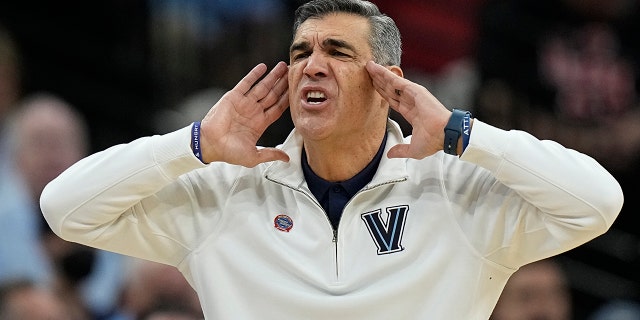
column 397, row 70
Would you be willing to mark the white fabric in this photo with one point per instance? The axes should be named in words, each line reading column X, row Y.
column 471, row 222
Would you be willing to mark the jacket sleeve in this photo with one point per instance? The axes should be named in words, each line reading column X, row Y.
column 122, row 199
column 535, row 199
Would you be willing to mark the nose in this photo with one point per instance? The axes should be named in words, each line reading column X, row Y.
column 316, row 66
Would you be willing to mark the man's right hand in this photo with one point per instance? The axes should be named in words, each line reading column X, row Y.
column 232, row 127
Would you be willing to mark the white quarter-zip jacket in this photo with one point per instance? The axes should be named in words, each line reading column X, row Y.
column 435, row 238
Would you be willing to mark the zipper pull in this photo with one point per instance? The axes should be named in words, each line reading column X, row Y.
column 335, row 235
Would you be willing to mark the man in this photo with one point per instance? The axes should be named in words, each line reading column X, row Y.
column 539, row 290
column 25, row 300
column 10, row 74
column 346, row 219
column 156, row 288
column 45, row 136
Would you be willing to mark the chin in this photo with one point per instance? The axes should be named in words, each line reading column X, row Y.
column 313, row 129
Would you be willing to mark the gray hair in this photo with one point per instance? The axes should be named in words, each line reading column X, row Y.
column 384, row 39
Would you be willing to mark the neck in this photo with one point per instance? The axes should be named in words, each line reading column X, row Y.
column 341, row 160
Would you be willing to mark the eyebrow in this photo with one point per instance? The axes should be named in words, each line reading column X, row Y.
column 338, row 44
column 300, row 46
column 330, row 42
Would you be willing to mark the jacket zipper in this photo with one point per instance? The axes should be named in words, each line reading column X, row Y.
column 335, row 247
column 334, row 238
column 335, row 231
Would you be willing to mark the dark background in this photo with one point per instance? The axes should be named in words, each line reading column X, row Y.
column 119, row 64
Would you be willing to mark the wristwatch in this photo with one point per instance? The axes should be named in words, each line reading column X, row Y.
column 454, row 129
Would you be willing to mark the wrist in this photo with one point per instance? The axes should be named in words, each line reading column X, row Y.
column 457, row 132
column 196, row 145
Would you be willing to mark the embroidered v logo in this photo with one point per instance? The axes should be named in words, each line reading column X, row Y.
column 387, row 235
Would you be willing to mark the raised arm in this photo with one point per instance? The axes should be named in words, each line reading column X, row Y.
column 539, row 197
column 126, row 198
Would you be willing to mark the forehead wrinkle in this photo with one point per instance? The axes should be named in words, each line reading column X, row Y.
column 305, row 45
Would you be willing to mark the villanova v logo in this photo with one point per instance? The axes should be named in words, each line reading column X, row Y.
column 387, row 236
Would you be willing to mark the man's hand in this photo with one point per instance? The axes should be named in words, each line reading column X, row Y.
column 231, row 129
column 418, row 106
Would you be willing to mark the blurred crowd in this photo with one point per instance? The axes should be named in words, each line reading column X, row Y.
column 74, row 84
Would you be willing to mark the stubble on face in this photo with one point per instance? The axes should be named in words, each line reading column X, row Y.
column 329, row 55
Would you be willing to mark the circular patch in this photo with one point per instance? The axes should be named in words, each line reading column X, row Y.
column 283, row 222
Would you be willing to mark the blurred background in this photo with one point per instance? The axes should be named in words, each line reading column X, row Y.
column 566, row 70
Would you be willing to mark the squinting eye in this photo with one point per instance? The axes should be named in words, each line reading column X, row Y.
column 300, row 56
column 340, row 54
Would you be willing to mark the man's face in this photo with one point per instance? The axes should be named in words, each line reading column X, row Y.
column 331, row 94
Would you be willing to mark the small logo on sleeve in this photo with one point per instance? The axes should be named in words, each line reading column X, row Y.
column 283, row 222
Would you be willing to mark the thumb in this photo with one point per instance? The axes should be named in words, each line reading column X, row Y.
column 271, row 154
column 399, row 151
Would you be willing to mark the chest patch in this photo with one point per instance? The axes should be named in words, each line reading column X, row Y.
column 387, row 233
column 283, row 222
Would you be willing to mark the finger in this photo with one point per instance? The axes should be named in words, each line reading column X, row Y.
column 381, row 76
column 388, row 84
column 270, row 154
column 247, row 82
column 276, row 110
column 280, row 88
column 264, row 86
column 389, row 94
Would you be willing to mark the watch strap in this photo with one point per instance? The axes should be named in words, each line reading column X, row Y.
column 454, row 130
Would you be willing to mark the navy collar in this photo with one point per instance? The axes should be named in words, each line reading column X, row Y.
column 319, row 187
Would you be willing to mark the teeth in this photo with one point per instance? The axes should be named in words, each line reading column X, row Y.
column 315, row 95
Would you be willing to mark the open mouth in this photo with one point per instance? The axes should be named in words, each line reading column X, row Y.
column 316, row 97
